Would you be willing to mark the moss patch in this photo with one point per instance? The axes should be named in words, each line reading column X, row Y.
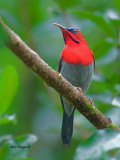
column 111, row 125
column 91, row 107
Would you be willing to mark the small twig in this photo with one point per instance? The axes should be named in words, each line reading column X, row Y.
column 54, row 79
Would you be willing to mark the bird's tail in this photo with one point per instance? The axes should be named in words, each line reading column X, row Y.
column 67, row 128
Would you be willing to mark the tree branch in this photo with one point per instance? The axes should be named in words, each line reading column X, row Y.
column 54, row 79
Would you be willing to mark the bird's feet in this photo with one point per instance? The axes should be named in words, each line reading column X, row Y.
column 91, row 102
column 109, row 119
column 79, row 89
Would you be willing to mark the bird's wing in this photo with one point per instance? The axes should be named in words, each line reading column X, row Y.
column 60, row 64
column 59, row 69
column 93, row 59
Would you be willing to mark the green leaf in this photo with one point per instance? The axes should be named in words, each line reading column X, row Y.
column 17, row 148
column 100, row 142
column 24, row 159
column 101, row 47
column 7, row 119
column 66, row 3
column 8, row 87
column 115, row 22
column 117, row 4
column 97, row 19
column 91, row 5
column 108, row 58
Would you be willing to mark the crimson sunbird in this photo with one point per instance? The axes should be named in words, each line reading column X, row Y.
column 76, row 65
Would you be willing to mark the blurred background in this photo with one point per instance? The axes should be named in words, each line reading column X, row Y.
column 30, row 111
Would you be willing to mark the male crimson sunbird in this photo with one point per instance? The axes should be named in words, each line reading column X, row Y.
column 76, row 65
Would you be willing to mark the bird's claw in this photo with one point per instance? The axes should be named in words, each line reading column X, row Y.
column 109, row 119
column 91, row 102
column 80, row 89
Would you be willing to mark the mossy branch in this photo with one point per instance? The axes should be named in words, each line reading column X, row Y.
column 53, row 78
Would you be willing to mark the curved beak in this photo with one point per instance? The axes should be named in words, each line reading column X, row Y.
column 60, row 26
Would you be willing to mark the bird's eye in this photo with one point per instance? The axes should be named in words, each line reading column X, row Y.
column 72, row 30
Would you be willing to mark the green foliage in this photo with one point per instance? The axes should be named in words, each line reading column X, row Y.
column 7, row 119
column 98, row 20
column 8, row 87
column 16, row 148
column 28, row 106
column 67, row 4
column 117, row 4
column 98, row 144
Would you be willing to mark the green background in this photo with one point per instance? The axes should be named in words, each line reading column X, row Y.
column 30, row 111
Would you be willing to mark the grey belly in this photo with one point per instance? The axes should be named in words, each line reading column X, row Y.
column 78, row 76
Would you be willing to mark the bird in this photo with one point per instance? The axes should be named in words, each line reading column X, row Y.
column 76, row 65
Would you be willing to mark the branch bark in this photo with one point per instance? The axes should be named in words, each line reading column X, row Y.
column 54, row 79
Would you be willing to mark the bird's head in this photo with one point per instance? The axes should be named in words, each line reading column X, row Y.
column 76, row 50
column 71, row 36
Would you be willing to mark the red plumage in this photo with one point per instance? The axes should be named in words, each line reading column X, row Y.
column 76, row 64
column 72, row 55
column 71, row 52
